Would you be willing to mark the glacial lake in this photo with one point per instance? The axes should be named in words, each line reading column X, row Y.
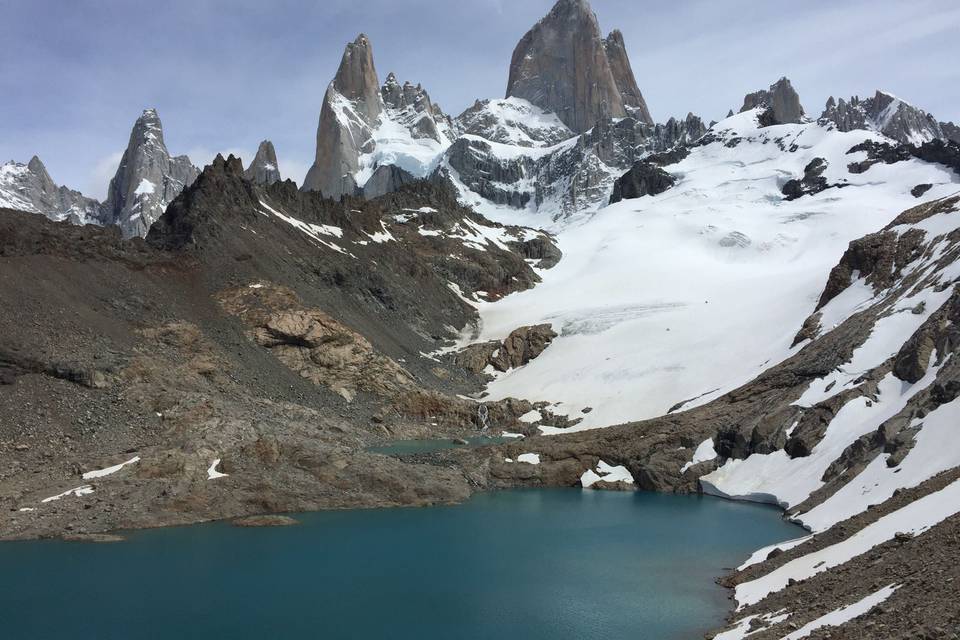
column 531, row 564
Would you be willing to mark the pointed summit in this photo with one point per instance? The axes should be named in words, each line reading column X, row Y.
column 351, row 108
column 147, row 180
column 563, row 65
column 356, row 78
column 624, row 78
column 264, row 168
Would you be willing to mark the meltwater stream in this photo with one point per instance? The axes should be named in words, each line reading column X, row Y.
column 533, row 564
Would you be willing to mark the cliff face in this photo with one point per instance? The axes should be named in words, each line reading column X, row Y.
column 147, row 180
column 349, row 111
column 623, row 76
column 264, row 168
column 563, row 65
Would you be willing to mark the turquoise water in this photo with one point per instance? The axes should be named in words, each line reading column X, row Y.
column 527, row 564
column 406, row 447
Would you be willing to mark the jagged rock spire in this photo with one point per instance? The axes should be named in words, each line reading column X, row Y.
column 147, row 180
column 356, row 78
column 351, row 108
column 264, row 168
column 623, row 76
column 563, row 65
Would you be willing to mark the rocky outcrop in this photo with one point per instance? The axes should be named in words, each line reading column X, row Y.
column 886, row 114
column 563, row 65
column 520, row 347
column 314, row 344
column 351, row 107
column 523, row 345
column 951, row 131
column 147, row 180
column 386, row 179
column 812, row 181
column 942, row 152
column 643, row 178
column 28, row 187
column 781, row 103
column 264, row 168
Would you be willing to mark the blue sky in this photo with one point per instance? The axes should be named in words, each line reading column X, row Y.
column 224, row 75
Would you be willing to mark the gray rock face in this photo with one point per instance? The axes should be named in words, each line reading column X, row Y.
column 28, row 187
column 147, row 180
column 563, row 65
column 888, row 115
column 264, row 168
column 951, row 131
column 781, row 100
column 349, row 112
column 354, row 109
column 386, row 179
column 623, row 75
column 643, row 178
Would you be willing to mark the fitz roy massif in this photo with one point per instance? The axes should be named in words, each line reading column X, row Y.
column 549, row 290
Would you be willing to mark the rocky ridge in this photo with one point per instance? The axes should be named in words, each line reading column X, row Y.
column 28, row 187
column 889, row 115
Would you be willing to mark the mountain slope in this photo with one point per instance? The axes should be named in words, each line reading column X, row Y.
column 698, row 289
column 274, row 331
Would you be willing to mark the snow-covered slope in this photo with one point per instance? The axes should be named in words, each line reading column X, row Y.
column 909, row 303
column 680, row 297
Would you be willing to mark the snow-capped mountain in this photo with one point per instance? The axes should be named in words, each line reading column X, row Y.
column 28, row 187
column 363, row 127
column 147, row 180
column 888, row 114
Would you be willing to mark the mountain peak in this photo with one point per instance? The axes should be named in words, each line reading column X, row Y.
column 264, row 168
column 781, row 100
column 36, row 165
column 563, row 65
column 147, row 178
column 356, row 78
